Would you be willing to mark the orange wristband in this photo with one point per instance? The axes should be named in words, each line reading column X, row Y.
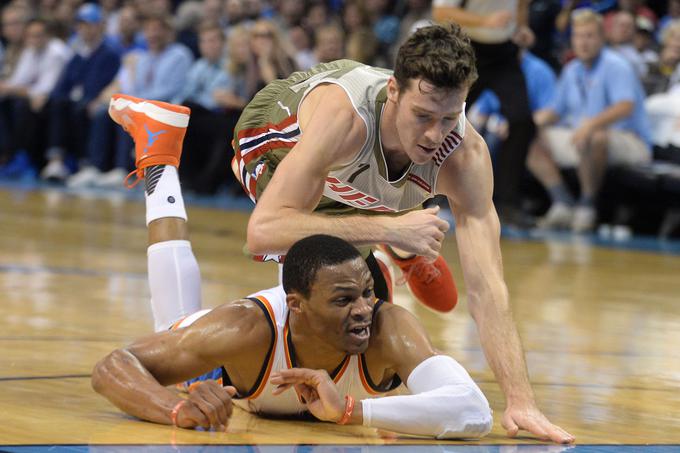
column 175, row 411
column 349, row 408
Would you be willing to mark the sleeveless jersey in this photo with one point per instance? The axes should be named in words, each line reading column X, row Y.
column 350, row 376
column 268, row 129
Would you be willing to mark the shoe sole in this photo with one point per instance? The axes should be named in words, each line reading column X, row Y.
column 151, row 110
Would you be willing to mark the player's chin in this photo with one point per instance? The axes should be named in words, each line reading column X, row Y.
column 357, row 342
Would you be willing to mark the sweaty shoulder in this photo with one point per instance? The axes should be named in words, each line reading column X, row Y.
column 327, row 114
column 398, row 337
column 234, row 329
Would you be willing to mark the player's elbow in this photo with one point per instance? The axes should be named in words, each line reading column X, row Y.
column 102, row 372
column 468, row 416
column 259, row 237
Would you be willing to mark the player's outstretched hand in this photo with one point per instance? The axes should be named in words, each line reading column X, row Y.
column 209, row 406
column 420, row 232
column 316, row 388
column 531, row 419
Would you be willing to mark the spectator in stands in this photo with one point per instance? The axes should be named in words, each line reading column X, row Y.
column 384, row 24
column 158, row 73
column 91, row 69
column 301, row 39
column 128, row 35
column 14, row 19
column 667, row 70
column 241, row 71
column 418, row 11
column 673, row 13
column 187, row 21
column 289, row 13
column 111, row 11
column 663, row 103
column 235, row 13
column 485, row 114
column 644, row 41
column 272, row 56
column 355, row 17
column 317, row 15
column 330, row 43
column 205, row 141
column 497, row 29
column 40, row 64
column 542, row 17
column 620, row 39
column 362, row 46
column 599, row 106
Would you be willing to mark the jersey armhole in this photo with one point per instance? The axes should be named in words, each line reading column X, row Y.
column 260, row 382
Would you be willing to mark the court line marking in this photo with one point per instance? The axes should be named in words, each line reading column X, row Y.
column 38, row 378
column 536, row 384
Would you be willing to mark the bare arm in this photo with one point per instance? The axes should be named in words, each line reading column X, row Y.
column 134, row 378
column 545, row 117
column 470, row 19
column 467, row 180
column 611, row 115
column 333, row 135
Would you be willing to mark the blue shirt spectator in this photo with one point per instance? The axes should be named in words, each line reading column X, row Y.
column 583, row 93
column 203, row 79
column 162, row 75
column 86, row 74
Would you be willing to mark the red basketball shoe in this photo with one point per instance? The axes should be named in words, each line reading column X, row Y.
column 431, row 283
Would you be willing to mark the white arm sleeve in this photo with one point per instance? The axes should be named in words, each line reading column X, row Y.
column 445, row 403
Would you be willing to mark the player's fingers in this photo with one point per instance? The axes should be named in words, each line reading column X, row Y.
column 208, row 409
column 231, row 390
column 433, row 210
column 510, row 426
column 194, row 416
column 306, row 392
column 222, row 402
column 279, row 389
column 442, row 224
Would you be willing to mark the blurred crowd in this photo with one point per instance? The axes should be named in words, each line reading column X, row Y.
column 60, row 61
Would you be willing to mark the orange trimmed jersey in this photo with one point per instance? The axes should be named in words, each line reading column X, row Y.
column 350, row 376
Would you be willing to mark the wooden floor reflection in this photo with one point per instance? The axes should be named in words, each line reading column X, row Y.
column 601, row 328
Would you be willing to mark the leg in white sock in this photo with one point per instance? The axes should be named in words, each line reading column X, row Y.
column 174, row 276
column 175, row 282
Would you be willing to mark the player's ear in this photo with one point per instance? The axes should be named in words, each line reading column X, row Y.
column 393, row 89
column 294, row 301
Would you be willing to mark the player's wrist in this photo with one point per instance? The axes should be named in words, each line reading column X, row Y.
column 175, row 411
column 348, row 411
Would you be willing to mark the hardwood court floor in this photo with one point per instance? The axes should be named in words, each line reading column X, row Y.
column 601, row 328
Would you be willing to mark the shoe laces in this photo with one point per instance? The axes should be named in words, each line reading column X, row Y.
column 139, row 173
column 420, row 270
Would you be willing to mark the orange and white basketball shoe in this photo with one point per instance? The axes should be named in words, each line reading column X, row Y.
column 157, row 128
column 431, row 283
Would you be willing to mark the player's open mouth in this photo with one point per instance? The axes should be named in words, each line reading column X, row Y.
column 360, row 333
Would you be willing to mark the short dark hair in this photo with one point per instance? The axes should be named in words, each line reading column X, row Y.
column 308, row 255
column 439, row 54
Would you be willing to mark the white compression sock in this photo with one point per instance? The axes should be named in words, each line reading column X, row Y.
column 175, row 282
column 163, row 194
